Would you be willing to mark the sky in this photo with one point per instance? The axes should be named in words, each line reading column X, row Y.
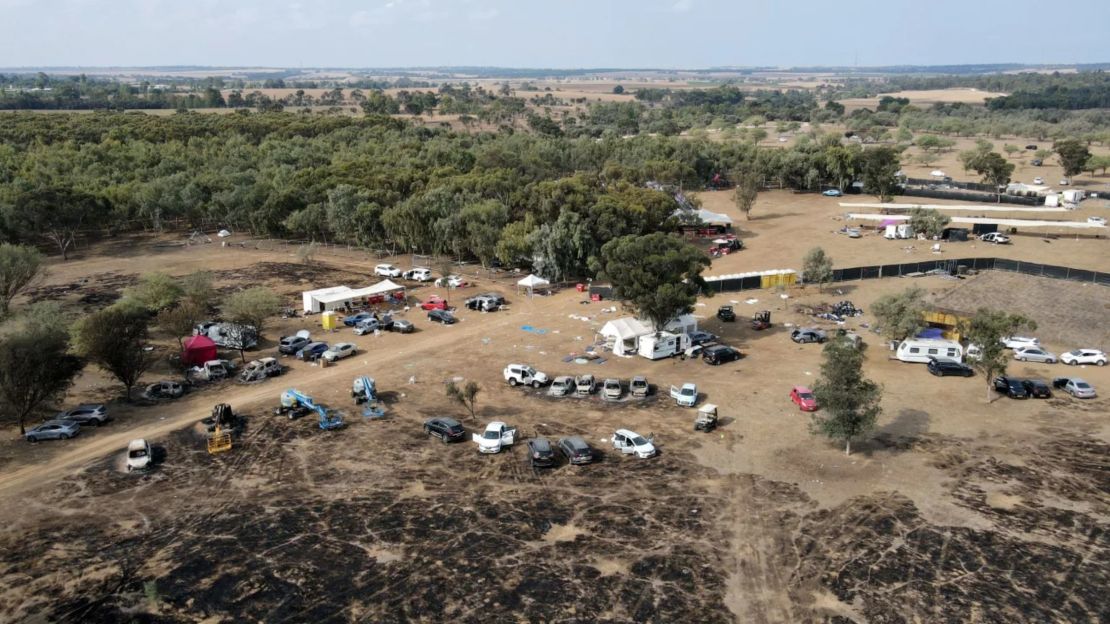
column 550, row 34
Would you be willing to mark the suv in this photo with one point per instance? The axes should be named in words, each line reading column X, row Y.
column 808, row 334
column 138, row 455
column 289, row 345
column 523, row 374
column 1011, row 387
column 418, row 274
column 944, row 368
column 719, row 354
column 726, row 314
column 484, row 303
column 1037, row 388
column 446, row 429
column 540, row 453
column 632, row 443
column 86, row 414
column 1084, row 356
column 576, row 450
column 387, row 270
column 367, row 326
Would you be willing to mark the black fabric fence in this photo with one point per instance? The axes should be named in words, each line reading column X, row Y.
column 990, row 198
column 948, row 266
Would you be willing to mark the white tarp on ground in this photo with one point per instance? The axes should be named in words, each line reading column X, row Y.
column 623, row 334
column 1017, row 223
column 337, row 297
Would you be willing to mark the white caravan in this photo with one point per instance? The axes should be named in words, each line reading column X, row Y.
column 924, row 349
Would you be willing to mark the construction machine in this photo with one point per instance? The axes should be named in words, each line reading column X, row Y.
column 219, row 426
column 761, row 320
column 364, row 390
column 296, row 404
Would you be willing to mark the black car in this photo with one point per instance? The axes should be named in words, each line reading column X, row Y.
column 726, row 314
column 540, row 453
column 1036, row 162
column 576, row 450
column 442, row 316
column 1037, row 388
column 1011, row 387
column 446, row 429
column 945, row 368
column 719, row 354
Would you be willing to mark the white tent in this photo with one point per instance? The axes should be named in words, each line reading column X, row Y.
column 682, row 325
column 533, row 282
column 623, row 334
column 339, row 296
column 937, row 173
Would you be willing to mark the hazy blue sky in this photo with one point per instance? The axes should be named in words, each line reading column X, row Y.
column 556, row 33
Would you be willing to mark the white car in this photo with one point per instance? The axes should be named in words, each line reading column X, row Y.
column 995, row 237
column 686, row 396
column 611, row 389
column 496, row 436
column 418, row 274
column 387, row 270
column 1017, row 342
column 1038, row 180
column 1097, row 220
column 1084, row 356
column 451, row 281
column 338, row 351
column 1034, row 354
column 368, row 326
column 1065, row 182
column 632, row 443
column 561, row 386
column 523, row 374
column 138, row 455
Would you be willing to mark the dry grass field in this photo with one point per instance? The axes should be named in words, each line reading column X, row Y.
column 925, row 98
column 957, row 509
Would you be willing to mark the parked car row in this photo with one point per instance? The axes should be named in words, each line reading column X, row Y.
column 497, row 435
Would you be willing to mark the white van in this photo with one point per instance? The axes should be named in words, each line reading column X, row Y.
column 662, row 344
column 924, row 349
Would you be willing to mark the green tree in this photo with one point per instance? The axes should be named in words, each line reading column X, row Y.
column 252, row 307
column 1010, row 149
column 849, row 401
column 36, row 366
column 986, row 329
column 928, row 221
column 465, row 395
column 116, row 339
column 1042, row 154
column 514, row 247
column 659, row 274
column 155, row 291
column 878, row 167
column 179, row 320
column 1073, row 155
column 748, row 184
column 197, row 288
column 618, row 90
column 900, row 314
column 817, row 267
column 996, row 171
column 20, row 266
column 484, row 221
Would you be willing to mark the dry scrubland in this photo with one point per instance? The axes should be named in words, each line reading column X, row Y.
column 956, row 510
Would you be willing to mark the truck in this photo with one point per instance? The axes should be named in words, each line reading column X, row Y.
column 662, row 344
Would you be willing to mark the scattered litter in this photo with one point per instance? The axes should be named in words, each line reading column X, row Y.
column 485, row 341
column 578, row 337
column 701, row 305
column 581, row 360
column 554, row 331
column 784, row 296
column 751, row 301
column 534, row 330
column 603, row 439
column 809, row 374
column 733, row 302
column 599, row 361
column 543, row 353
column 568, row 358
column 458, row 379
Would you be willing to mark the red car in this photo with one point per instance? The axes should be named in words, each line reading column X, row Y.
column 804, row 399
column 434, row 302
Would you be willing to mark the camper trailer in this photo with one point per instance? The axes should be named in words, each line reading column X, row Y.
column 901, row 230
column 662, row 344
column 924, row 349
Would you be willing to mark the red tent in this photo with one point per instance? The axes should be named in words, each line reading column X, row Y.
column 198, row 350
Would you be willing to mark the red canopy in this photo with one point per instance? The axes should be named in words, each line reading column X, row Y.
column 198, row 350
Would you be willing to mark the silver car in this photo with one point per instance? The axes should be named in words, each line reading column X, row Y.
column 85, row 414
column 1034, row 354
column 54, row 430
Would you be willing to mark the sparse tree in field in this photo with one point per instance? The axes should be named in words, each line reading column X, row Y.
column 465, row 395
column 983, row 145
column 618, row 89
column 252, row 307
column 928, row 221
column 995, row 169
column 1100, row 162
column 849, row 401
column 306, row 253
column 1010, row 149
column 757, row 134
column 1042, row 154
column 20, row 266
column 1073, row 155
column 748, row 184
column 116, row 339
column 927, row 158
column 817, row 267
column 155, row 291
column 900, row 314
column 197, row 288
column 35, row 363
column 986, row 329
column 659, row 274
column 180, row 320
column 878, row 167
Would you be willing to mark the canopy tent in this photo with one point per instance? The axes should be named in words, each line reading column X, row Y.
column 341, row 296
column 937, row 173
column 532, row 282
column 198, row 350
column 714, row 218
column 684, row 324
column 623, row 334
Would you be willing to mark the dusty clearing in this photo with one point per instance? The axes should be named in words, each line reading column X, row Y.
column 956, row 510
column 925, row 98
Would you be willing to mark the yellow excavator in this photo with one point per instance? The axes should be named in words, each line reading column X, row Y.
column 219, row 438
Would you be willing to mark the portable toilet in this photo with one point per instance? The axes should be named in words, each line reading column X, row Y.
column 329, row 320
